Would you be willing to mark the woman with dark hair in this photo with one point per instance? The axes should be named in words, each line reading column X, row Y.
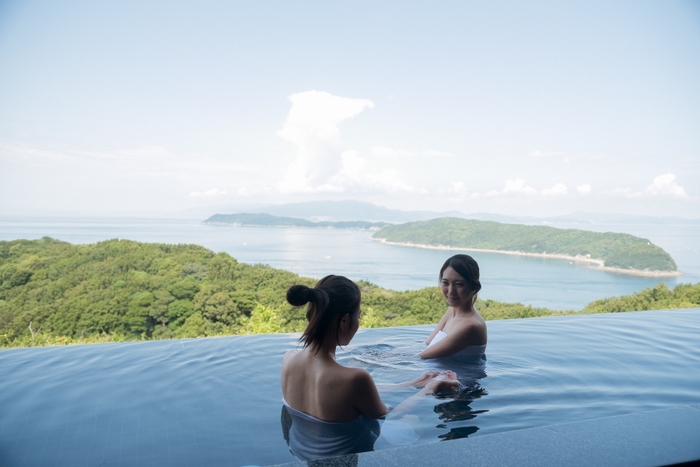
column 461, row 330
column 330, row 409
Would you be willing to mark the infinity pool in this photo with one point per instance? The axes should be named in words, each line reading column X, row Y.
column 217, row 401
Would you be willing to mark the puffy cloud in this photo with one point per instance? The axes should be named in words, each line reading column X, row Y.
column 316, row 115
column 320, row 165
column 558, row 189
column 312, row 126
column 356, row 175
column 458, row 188
column 213, row 193
column 518, row 187
column 665, row 185
column 584, row 189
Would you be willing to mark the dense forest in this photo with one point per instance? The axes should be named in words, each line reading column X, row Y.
column 615, row 249
column 268, row 220
column 52, row 292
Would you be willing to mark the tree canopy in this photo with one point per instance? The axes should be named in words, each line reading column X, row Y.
column 615, row 249
column 52, row 292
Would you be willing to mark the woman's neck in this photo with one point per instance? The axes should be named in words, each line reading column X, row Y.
column 327, row 351
column 464, row 311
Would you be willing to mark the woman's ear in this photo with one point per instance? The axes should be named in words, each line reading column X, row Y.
column 345, row 321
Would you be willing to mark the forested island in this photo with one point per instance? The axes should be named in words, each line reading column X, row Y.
column 616, row 252
column 268, row 220
column 55, row 293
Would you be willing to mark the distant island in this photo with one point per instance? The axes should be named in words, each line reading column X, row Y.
column 614, row 252
column 267, row 220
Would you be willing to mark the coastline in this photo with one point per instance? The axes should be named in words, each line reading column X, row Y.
column 593, row 263
column 239, row 224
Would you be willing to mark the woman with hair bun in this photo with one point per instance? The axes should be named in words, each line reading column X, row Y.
column 461, row 330
column 330, row 409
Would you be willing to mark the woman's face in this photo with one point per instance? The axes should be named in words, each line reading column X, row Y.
column 455, row 289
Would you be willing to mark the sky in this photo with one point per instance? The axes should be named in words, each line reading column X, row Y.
column 144, row 108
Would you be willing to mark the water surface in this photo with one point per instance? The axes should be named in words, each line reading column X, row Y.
column 217, row 401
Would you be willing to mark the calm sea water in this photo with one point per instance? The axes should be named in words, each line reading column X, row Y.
column 217, row 401
column 550, row 283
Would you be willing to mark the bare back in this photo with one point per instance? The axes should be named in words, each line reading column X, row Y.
column 317, row 385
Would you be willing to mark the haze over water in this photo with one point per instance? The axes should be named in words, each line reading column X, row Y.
column 551, row 283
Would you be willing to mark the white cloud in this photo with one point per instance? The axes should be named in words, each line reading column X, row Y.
column 518, row 186
column 320, row 165
column 213, row 193
column 584, row 189
column 665, row 185
column 356, row 175
column 458, row 188
column 312, row 126
column 558, row 189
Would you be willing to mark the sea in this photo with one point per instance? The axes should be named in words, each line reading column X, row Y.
column 316, row 252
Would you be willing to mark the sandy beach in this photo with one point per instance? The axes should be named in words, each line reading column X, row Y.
column 594, row 263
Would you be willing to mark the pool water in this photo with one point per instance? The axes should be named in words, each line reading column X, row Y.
column 217, row 401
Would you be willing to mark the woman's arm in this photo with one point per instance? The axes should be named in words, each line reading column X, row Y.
column 366, row 397
column 367, row 401
column 446, row 382
column 456, row 340
column 440, row 326
column 417, row 383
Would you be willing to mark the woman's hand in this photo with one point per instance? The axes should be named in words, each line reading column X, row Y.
column 423, row 379
column 446, row 382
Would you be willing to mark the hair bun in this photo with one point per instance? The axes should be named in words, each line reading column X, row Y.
column 299, row 295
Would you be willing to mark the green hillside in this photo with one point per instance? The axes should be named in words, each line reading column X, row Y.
column 615, row 249
column 52, row 292
column 268, row 220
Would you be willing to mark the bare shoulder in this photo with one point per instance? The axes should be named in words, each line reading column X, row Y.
column 289, row 355
column 357, row 377
column 365, row 396
column 290, row 360
column 472, row 329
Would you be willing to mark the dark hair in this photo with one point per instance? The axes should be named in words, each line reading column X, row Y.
column 467, row 267
column 331, row 299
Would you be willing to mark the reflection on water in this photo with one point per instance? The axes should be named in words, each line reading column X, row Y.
column 459, row 410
